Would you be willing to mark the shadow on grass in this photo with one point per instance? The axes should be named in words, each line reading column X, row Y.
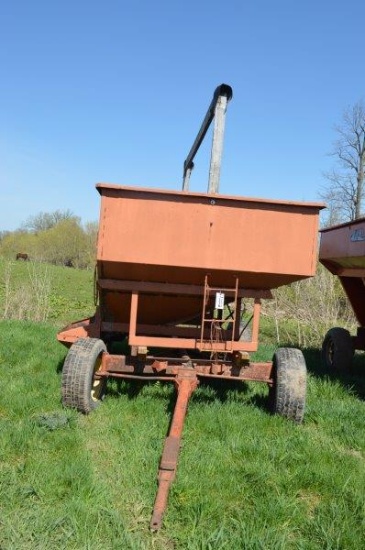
column 353, row 380
column 59, row 365
column 209, row 391
column 131, row 389
column 221, row 390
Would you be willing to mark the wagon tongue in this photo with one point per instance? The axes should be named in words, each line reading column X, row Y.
column 186, row 382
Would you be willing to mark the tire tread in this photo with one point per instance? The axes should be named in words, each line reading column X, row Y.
column 290, row 384
column 77, row 374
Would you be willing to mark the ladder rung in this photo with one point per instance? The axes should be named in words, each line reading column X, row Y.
column 218, row 320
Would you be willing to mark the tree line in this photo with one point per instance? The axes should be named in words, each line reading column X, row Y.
column 56, row 237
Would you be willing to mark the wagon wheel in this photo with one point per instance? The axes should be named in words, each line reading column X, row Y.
column 337, row 349
column 287, row 395
column 80, row 388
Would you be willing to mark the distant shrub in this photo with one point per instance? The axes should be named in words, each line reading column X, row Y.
column 66, row 242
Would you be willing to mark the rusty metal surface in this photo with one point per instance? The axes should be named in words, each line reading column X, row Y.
column 226, row 344
column 85, row 328
column 142, row 284
column 166, row 368
column 148, row 287
column 170, row 453
column 277, row 239
column 342, row 249
column 182, row 238
column 342, row 252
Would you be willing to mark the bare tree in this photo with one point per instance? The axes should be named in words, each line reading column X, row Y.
column 47, row 220
column 344, row 192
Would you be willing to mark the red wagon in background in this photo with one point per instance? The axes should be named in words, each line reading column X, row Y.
column 182, row 275
column 342, row 252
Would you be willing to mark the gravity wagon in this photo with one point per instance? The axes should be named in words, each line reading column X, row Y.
column 182, row 276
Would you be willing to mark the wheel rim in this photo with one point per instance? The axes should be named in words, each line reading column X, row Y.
column 97, row 383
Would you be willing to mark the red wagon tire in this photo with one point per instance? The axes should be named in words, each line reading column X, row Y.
column 80, row 388
column 337, row 349
column 288, row 393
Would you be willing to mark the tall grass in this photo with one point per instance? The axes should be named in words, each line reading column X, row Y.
column 304, row 311
column 38, row 291
column 28, row 298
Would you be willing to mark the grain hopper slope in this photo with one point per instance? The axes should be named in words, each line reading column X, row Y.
column 342, row 248
column 179, row 237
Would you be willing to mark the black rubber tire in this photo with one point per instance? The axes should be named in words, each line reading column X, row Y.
column 337, row 349
column 80, row 389
column 287, row 395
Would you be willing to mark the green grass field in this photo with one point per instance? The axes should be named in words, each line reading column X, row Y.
column 245, row 479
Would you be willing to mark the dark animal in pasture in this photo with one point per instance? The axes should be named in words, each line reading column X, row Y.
column 22, row 256
column 68, row 263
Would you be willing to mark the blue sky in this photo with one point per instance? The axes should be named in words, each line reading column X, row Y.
column 116, row 91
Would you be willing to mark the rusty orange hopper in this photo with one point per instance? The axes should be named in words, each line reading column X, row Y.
column 182, row 275
column 342, row 252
